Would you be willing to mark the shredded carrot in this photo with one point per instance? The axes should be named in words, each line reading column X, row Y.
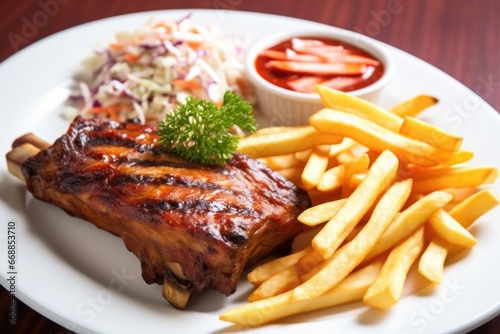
column 130, row 57
column 116, row 46
column 166, row 25
column 113, row 115
column 194, row 44
column 111, row 111
column 180, row 83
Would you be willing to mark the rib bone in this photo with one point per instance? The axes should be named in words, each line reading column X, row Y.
column 18, row 156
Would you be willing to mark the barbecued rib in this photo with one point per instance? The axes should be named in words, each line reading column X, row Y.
column 192, row 226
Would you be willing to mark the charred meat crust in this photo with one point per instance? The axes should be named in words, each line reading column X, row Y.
column 212, row 220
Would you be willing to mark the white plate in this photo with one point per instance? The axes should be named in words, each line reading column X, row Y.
column 87, row 281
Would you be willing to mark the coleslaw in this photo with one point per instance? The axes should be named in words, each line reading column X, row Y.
column 146, row 73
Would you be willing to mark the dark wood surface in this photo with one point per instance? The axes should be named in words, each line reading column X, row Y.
column 459, row 37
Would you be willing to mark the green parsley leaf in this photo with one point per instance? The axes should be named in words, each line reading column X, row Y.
column 198, row 130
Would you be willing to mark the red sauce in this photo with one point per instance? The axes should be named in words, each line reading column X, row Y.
column 305, row 79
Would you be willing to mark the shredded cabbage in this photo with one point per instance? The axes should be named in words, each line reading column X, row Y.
column 147, row 72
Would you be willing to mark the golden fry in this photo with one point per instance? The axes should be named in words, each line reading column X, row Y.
column 293, row 174
column 357, row 165
column 262, row 272
column 388, row 287
column 352, row 288
column 332, row 179
column 414, row 106
column 473, row 207
column 303, row 156
column 316, row 166
column 281, row 161
column 289, row 278
column 346, row 144
column 338, row 100
column 410, row 220
column 377, row 138
column 343, row 261
column 321, row 213
column 448, row 229
column 356, row 179
column 431, row 263
column 285, row 142
column 345, row 157
column 431, row 134
column 454, row 177
column 281, row 282
column 379, row 176
column 319, row 197
column 278, row 129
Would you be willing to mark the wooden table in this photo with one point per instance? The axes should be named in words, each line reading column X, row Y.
column 457, row 36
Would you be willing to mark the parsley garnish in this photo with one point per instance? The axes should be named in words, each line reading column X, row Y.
column 198, row 130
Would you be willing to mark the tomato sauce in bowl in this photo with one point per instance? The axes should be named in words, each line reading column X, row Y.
column 298, row 64
column 285, row 68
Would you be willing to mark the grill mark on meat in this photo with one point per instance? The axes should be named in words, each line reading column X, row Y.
column 167, row 179
column 116, row 141
column 202, row 207
column 155, row 163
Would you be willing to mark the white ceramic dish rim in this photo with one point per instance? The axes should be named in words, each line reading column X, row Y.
column 54, row 279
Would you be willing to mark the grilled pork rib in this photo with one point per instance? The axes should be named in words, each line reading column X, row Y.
column 192, row 226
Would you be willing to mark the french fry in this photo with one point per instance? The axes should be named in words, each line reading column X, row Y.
column 303, row 156
column 430, row 134
column 280, row 282
column 459, row 157
column 388, row 287
column 343, row 261
column 454, row 177
column 319, row 197
column 285, row 142
column 316, row 166
column 346, row 144
column 262, row 272
column 308, row 265
column 288, row 278
column 351, row 289
column 278, row 129
column 456, row 158
column 431, row 264
column 378, row 138
column 332, row 179
column 356, row 179
column 379, row 176
column 358, row 165
column 338, row 100
column 448, row 229
column 281, row 161
column 409, row 220
column 293, row 174
column 475, row 206
column 414, row 106
column 321, row 213
column 345, row 157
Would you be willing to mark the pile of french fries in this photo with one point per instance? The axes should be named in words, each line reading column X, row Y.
column 389, row 191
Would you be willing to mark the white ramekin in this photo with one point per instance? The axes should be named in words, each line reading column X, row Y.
column 280, row 106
